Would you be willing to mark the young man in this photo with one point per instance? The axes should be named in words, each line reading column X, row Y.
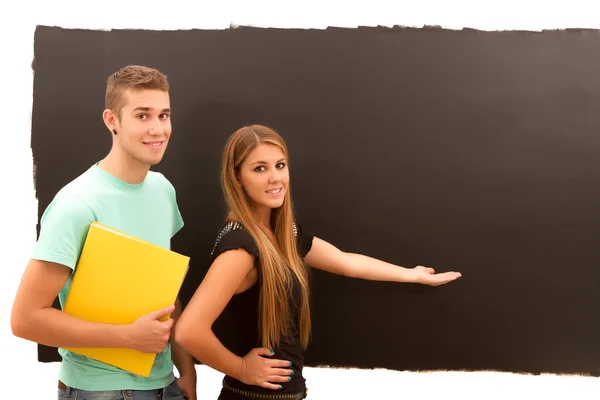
column 122, row 192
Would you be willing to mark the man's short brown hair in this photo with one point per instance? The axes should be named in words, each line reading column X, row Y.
column 132, row 77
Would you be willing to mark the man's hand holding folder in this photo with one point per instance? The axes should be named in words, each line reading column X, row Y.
column 148, row 333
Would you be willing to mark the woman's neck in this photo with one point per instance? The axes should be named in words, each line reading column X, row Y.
column 263, row 217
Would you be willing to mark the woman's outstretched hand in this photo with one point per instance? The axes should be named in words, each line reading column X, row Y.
column 427, row 276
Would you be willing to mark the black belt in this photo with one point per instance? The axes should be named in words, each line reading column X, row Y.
column 264, row 396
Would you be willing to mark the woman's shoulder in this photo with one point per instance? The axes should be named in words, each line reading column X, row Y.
column 232, row 236
column 304, row 239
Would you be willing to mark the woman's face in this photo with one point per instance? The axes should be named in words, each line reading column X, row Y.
column 264, row 176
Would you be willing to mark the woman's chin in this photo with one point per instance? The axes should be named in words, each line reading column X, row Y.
column 274, row 204
column 268, row 203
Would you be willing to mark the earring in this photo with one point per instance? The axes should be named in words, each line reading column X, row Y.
column 115, row 131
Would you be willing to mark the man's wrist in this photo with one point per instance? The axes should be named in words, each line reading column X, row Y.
column 123, row 332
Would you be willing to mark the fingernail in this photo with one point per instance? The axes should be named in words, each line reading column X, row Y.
column 290, row 363
column 272, row 352
column 280, row 387
column 289, row 378
column 292, row 372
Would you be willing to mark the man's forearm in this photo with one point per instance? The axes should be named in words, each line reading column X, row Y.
column 55, row 328
column 182, row 360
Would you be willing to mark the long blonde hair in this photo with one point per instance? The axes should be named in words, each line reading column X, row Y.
column 280, row 261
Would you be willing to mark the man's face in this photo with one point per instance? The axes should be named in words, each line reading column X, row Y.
column 144, row 128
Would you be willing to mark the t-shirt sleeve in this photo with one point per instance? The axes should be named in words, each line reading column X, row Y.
column 233, row 240
column 304, row 240
column 63, row 229
column 177, row 218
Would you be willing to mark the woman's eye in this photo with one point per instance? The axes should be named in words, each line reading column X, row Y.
column 259, row 169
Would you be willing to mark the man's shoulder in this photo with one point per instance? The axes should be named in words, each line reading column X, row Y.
column 159, row 181
column 77, row 188
column 156, row 176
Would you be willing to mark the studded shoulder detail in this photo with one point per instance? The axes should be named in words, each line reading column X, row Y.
column 233, row 225
column 225, row 230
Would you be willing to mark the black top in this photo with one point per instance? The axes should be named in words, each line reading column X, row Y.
column 243, row 309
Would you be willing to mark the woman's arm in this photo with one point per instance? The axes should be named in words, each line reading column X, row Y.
column 193, row 330
column 327, row 257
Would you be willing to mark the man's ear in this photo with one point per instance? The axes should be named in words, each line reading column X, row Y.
column 110, row 120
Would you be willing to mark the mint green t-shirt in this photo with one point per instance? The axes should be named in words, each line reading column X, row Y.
column 147, row 210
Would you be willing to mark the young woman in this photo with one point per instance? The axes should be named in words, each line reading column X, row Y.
column 259, row 274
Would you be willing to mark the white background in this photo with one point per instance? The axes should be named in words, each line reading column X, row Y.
column 28, row 379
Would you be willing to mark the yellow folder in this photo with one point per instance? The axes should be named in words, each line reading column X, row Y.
column 118, row 279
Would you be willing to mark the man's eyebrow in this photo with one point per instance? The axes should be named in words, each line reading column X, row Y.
column 149, row 108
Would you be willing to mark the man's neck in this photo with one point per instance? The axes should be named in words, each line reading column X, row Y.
column 130, row 171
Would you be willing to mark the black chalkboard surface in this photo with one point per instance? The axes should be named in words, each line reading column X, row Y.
column 460, row 150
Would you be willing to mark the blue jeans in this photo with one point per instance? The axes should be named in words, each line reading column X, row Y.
column 171, row 392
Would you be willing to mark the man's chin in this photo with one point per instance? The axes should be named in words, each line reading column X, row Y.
column 151, row 161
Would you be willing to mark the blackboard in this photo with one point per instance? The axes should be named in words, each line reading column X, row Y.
column 461, row 150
